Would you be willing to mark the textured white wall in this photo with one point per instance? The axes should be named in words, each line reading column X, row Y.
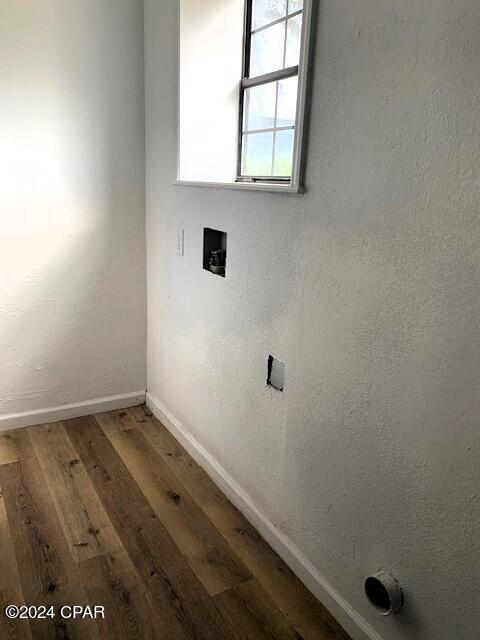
column 367, row 287
column 207, row 150
column 72, row 241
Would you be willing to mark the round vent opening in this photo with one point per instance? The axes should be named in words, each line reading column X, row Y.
column 384, row 593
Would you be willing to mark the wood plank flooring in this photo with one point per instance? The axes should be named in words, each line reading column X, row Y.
column 110, row 510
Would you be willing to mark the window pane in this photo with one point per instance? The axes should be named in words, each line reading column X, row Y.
column 294, row 36
column 266, row 11
column 287, row 102
column 260, row 107
column 257, row 154
column 267, row 50
column 295, row 5
column 282, row 165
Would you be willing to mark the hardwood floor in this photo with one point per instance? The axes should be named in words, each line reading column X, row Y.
column 110, row 510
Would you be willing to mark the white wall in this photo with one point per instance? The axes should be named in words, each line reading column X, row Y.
column 72, row 256
column 209, row 77
column 367, row 288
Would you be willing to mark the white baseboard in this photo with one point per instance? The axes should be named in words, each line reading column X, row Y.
column 76, row 410
column 351, row 620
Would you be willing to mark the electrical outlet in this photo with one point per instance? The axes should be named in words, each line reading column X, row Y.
column 180, row 242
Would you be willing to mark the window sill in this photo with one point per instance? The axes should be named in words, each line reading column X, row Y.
column 243, row 186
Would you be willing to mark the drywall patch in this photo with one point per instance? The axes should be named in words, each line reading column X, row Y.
column 276, row 374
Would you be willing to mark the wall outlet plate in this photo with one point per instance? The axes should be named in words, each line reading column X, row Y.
column 180, row 242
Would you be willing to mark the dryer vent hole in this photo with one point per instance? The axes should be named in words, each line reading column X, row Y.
column 377, row 595
column 384, row 593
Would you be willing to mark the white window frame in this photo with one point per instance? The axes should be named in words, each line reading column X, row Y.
column 296, row 184
column 249, row 82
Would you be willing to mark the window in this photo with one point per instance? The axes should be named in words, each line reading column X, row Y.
column 269, row 89
column 242, row 92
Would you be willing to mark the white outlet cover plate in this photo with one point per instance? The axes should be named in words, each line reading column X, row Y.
column 180, row 242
